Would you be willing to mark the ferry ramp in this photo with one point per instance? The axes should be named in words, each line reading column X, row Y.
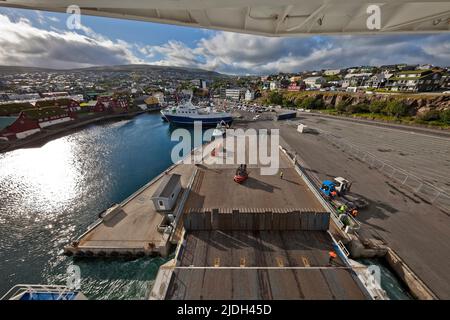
column 266, row 238
column 261, row 265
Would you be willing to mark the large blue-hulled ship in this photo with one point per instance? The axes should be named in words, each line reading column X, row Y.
column 187, row 114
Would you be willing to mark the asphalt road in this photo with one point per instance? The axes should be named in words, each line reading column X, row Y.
column 417, row 230
column 424, row 155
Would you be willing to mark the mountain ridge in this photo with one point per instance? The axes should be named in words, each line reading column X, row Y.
column 114, row 68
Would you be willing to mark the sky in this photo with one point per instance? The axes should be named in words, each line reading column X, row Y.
column 42, row 39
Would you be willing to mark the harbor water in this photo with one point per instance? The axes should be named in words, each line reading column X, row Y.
column 50, row 194
column 393, row 286
column 6, row 121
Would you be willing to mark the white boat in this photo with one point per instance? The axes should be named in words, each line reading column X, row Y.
column 220, row 129
column 187, row 114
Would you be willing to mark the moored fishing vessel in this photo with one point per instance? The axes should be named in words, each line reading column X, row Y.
column 187, row 114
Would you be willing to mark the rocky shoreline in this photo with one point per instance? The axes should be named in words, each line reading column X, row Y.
column 417, row 103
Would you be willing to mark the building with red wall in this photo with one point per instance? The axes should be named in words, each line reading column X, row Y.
column 32, row 121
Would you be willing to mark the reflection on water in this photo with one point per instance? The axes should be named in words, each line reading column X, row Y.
column 47, row 177
column 49, row 195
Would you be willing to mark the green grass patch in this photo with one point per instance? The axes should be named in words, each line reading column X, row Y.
column 386, row 118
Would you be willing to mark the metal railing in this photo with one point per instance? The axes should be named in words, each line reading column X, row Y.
column 424, row 190
column 343, row 248
column 313, row 187
column 19, row 290
column 180, row 207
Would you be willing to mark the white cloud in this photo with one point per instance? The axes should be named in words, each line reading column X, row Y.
column 53, row 19
column 40, row 16
column 175, row 53
column 21, row 43
column 243, row 54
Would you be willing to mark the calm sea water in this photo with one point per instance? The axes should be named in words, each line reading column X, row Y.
column 6, row 121
column 49, row 195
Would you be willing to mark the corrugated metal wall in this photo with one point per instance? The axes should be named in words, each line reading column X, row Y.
column 256, row 219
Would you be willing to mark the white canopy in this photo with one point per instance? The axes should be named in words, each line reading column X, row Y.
column 267, row 17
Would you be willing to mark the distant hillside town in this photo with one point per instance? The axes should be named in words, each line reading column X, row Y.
column 400, row 78
column 33, row 99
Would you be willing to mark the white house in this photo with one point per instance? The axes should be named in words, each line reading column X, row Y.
column 378, row 80
column 355, row 79
column 160, row 97
column 332, row 72
column 315, row 82
column 234, row 94
column 273, row 85
column 249, row 95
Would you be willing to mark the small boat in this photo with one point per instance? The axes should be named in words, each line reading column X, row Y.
column 220, row 129
column 42, row 293
column 187, row 114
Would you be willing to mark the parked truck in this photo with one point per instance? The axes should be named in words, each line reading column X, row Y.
column 337, row 191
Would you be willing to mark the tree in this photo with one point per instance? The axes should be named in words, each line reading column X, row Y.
column 357, row 108
column 341, row 106
column 288, row 103
column 306, row 103
column 377, row 106
column 275, row 97
column 319, row 104
column 396, row 108
column 445, row 116
column 430, row 115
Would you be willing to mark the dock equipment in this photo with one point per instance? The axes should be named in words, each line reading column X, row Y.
column 338, row 193
column 339, row 185
column 168, row 190
column 241, row 174
column 286, row 115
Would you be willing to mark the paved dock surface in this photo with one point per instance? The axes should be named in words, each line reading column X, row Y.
column 214, row 187
column 136, row 226
column 257, row 264
column 418, row 231
column 424, row 155
column 230, row 259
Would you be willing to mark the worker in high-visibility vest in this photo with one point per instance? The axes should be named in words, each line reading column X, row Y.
column 342, row 209
column 333, row 256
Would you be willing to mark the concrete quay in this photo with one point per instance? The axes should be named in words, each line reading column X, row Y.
column 416, row 229
column 134, row 227
column 233, row 244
